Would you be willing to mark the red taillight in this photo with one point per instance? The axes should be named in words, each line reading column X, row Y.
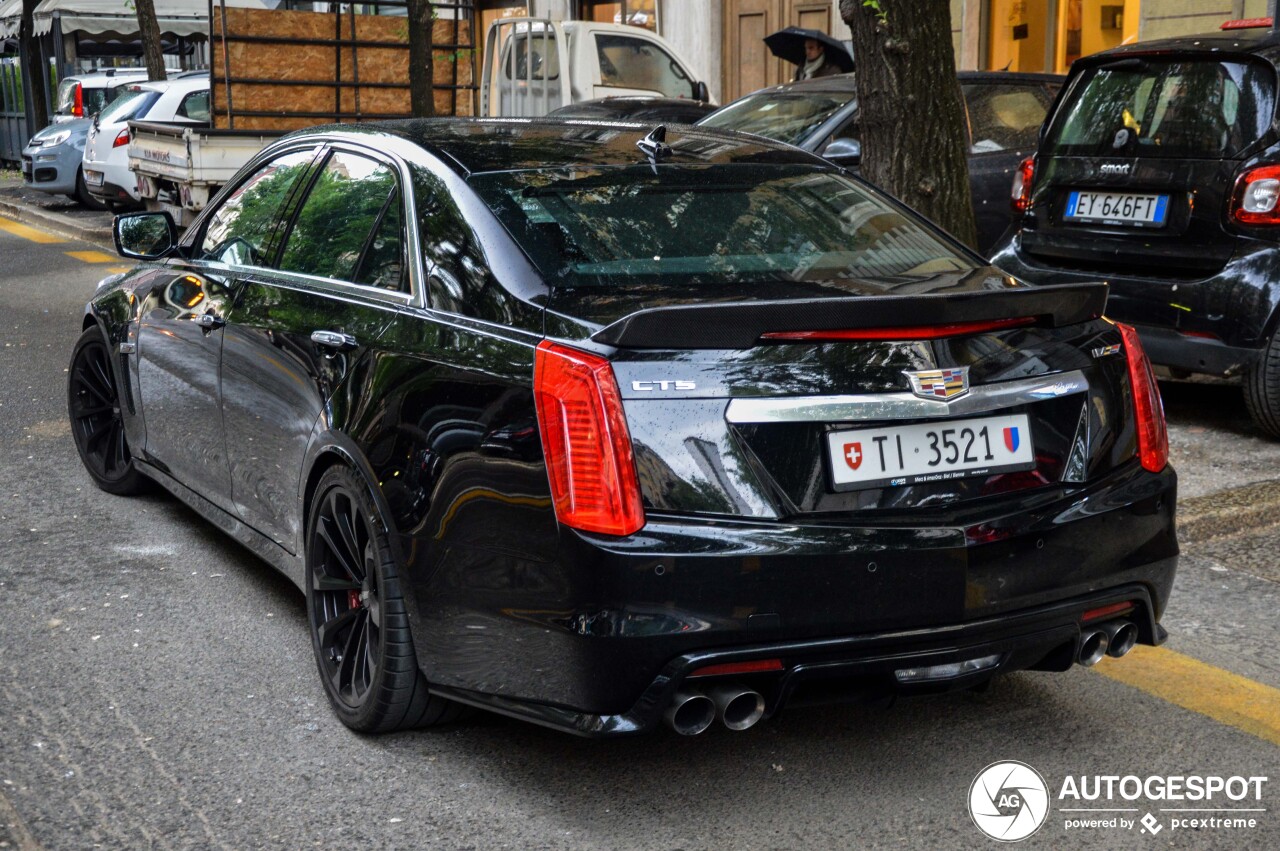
column 1153, row 436
column 756, row 666
column 122, row 138
column 585, row 441
column 1246, row 24
column 1254, row 201
column 77, row 108
column 1023, row 178
column 906, row 332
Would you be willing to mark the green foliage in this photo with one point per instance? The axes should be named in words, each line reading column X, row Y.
column 335, row 222
column 882, row 16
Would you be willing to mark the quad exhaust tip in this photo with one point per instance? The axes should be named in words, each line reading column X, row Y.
column 1121, row 637
column 737, row 707
column 690, row 713
column 1093, row 646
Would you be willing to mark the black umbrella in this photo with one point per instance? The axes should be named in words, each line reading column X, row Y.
column 788, row 44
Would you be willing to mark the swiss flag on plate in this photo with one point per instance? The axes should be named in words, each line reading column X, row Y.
column 853, row 455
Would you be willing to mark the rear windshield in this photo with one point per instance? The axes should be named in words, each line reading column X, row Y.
column 705, row 225
column 93, row 99
column 787, row 117
column 1165, row 109
column 131, row 104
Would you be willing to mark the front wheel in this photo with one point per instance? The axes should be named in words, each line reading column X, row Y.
column 1262, row 388
column 97, row 423
column 359, row 626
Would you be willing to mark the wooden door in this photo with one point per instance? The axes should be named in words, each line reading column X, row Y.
column 748, row 64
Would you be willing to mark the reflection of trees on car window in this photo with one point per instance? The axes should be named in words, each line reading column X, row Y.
column 239, row 230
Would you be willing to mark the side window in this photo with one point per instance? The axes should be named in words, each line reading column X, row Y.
column 239, row 232
column 195, row 106
column 459, row 280
column 637, row 63
column 339, row 218
column 383, row 262
column 1005, row 117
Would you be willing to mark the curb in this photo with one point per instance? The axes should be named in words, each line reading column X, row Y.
column 56, row 223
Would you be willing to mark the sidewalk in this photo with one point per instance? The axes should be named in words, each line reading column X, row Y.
column 56, row 213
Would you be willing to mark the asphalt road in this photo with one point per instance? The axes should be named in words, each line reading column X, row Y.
column 157, row 688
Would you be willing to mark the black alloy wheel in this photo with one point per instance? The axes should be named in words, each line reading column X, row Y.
column 359, row 626
column 97, row 424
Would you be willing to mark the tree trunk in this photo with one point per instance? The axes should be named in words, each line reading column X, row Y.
column 149, row 30
column 912, row 117
column 34, row 70
column 422, row 97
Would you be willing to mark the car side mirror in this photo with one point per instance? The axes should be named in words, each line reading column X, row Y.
column 701, row 92
column 144, row 236
column 846, row 153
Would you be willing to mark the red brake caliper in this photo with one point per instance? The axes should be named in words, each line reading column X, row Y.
column 353, row 599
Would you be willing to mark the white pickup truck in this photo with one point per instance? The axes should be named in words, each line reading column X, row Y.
column 180, row 166
column 532, row 67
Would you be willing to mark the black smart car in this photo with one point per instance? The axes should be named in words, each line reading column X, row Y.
column 1159, row 172
column 1004, row 112
column 595, row 427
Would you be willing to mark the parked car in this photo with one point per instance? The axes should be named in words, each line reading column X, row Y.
column 637, row 108
column 599, row 429
column 1159, row 172
column 106, row 152
column 1005, row 111
column 85, row 95
column 52, row 161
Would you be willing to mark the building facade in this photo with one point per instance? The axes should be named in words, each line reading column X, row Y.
column 722, row 39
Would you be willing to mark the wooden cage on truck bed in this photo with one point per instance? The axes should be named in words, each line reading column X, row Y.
column 277, row 69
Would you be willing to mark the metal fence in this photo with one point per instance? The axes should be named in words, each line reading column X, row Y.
column 13, row 117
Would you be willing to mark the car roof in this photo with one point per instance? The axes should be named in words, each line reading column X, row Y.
column 478, row 145
column 847, row 83
column 1260, row 41
column 107, row 76
column 179, row 84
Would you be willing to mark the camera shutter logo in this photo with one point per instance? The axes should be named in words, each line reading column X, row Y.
column 1008, row 800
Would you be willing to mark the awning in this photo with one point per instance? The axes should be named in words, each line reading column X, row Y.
column 180, row 17
column 10, row 17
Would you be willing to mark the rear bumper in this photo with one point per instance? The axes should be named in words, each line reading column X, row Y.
column 1216, row 325
column 842, row 607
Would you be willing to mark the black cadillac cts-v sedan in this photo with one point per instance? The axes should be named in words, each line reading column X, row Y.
column 598, row 428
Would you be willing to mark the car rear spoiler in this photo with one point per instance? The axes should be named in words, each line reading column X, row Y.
column 740, row 325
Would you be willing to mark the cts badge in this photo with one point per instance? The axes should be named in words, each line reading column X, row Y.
column 649, row 386
column 941, row 384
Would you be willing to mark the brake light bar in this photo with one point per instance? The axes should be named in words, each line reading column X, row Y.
column 585, row 442
column 77, row 108
column 1148, row 409
column 1246, row 24
column 756, row 666
column 905, row 332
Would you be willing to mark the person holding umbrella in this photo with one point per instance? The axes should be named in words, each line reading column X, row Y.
column 814, row 53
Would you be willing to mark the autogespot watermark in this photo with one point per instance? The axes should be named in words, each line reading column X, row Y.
column 1010, row 801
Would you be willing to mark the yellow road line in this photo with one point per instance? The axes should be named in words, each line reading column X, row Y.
column 25, row 232
column 92, row 256
column 118, row 269
column 1221, row 695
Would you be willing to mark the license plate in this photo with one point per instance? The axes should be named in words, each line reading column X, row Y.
column 1118, row 208
column 929, row 452
column 93, row 178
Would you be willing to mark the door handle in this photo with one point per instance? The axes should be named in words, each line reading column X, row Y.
column 335, row 340
column 209, row 321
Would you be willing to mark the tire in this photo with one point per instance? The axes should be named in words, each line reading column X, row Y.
column 83, row 195
column 97, row 423
column 355, row 608
column 1262, row 388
